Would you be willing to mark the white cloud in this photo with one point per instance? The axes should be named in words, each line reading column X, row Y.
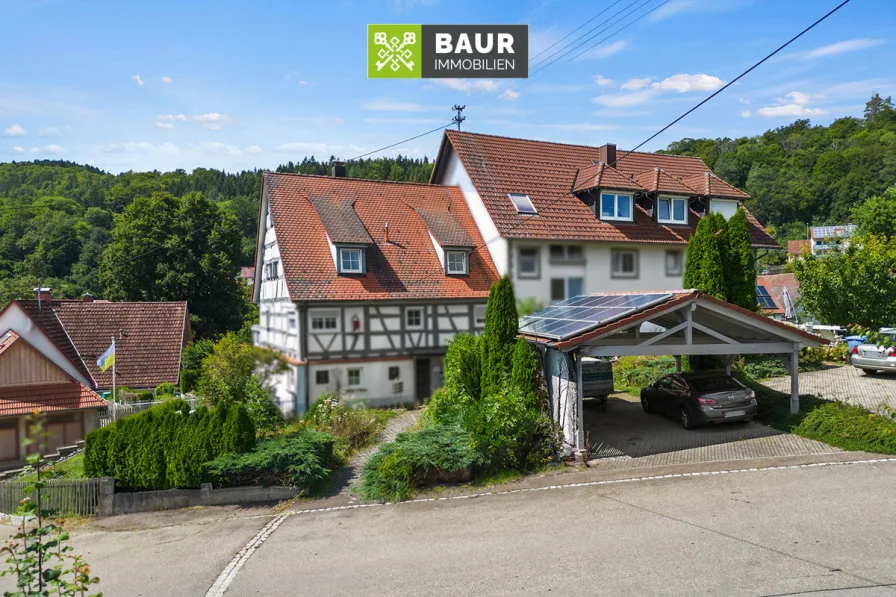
column 212, row 121
column 624, row 100
column 390, row 106
column 676, row 7
column 602, row 81
column 795, row 103
column 216, row 147
column 254, row 150
column 167, row 80
column 140, row 147
column 51, row 149
column 138, row 80
column 54, row 131
column 551, row 88
column 172, row 118
column 605, row 51
column 17, row 149
column 842, row 47
column 164, row 125
column 745, row 114
column 15, row 131
column 509, row 94
column 685, row 83
column 302, row 82
column 468, row 85
column 635, row 84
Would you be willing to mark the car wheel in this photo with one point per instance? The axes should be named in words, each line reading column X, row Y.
column 869, row 371
column 685, row 418
column 645, row 403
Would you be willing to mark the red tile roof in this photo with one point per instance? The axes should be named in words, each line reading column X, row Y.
column 659, row 181
column 545, row 171
column 7, row 340
column 49, row 397
column 407, row 267
column 149, row 337
column 797, row 247
column 602, row 176
column 247, row 272
column 710, row 185
column 776, row 283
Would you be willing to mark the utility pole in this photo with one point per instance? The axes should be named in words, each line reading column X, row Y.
column 459, row 118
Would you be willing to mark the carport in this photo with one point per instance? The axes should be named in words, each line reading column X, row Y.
column 649, row 324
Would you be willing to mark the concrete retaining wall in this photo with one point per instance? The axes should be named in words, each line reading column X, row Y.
column 111, row 503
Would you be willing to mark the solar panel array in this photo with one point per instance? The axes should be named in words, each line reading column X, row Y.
column 765, row 299
column 580, row 314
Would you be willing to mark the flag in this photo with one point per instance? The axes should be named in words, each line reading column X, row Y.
column 107, row 359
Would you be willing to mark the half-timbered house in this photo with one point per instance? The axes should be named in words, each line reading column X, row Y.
column 361, row 284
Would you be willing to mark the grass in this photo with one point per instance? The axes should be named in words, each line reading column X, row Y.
column 72, row 468
column 838, row 424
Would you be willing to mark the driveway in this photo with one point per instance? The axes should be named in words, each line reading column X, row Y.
column 846, row 384
column 624, row 436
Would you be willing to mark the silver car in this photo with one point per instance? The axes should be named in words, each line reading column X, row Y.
column 871, row 358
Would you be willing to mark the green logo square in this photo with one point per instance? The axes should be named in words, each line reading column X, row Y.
column 394, row 51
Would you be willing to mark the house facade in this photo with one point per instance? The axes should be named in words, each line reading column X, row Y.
column 564, row 220
column 361, row 285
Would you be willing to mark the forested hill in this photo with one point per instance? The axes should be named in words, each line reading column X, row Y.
column 800, row 174
column 56, row 216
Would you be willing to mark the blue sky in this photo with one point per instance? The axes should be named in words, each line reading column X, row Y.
column 164, row 85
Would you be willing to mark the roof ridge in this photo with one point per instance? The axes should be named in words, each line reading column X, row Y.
column 354, row 179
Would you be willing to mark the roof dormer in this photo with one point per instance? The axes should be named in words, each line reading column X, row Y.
column 451, row 242
column 346, row 235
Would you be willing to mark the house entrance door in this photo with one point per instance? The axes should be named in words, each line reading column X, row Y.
column 422, row 379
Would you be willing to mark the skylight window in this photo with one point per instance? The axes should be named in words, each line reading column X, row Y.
column 523, row 204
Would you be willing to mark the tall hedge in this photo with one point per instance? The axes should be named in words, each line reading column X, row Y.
column 740, row 271
column 705, row 264
column 165, row 447
column 463, row 364
column 524, row 373
column 499, row 337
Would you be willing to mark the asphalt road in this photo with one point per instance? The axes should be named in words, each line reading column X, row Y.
column 824, row 529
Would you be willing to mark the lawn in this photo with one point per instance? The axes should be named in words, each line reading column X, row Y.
column 71, row 468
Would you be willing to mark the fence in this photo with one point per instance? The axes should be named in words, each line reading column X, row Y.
column 62, row 497
column 119, row 410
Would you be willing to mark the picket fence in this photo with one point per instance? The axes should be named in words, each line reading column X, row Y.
column 61, row 497
column 119, row 410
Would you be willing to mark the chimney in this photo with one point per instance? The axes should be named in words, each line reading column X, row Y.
column 386, row 239
column 337, row 169
column 42, row 294
column 86, row 298
column 608, row 154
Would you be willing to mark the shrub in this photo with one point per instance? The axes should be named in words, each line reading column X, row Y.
column 191, row 363
column 524, row 371
column 165, row 446
column 416, row 458
column 634, row 373
column 463, row 364
column 850, row 427
column 304, row 460
column 164, row 390
column 499, row 336
column 126, row 394
column 353, row 428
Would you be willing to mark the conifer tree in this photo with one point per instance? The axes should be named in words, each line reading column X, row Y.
column 740, row 272
column 499, row 337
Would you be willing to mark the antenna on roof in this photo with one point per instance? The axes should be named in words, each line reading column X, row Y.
column 458, row 119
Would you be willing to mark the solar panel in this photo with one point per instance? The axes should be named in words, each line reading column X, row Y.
column 579, row 314
column 764, row 298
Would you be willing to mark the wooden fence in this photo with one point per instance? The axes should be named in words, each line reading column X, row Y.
column 119, row 410
column 62, row 497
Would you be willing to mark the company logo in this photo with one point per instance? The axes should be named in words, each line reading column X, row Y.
column 447, row 51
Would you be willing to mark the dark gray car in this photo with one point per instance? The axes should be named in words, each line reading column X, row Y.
column 700, row 397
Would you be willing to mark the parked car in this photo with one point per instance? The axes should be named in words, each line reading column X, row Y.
column 700, row 397
column 871, row 358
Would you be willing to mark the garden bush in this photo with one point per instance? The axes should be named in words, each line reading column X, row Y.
column 524, row 369
column 463, row 364
column 417, row 458
column 634, row 373
column 353, row 428
column 165, row 447
column 303, row 460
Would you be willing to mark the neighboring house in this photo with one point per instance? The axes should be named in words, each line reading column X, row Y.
column 149, row 337
column 774, row 286
column 798, row 248
column 29, row 382
column 247, row 275
column 363, row 283
column 831, row 238
column 561, row 221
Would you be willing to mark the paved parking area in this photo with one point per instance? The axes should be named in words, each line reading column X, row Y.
column 846, row 384
column 624, row 436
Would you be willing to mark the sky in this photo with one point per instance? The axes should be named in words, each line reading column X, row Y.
column 236, row 85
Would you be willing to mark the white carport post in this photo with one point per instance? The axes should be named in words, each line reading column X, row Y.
column 792, row 361
column 580, row 406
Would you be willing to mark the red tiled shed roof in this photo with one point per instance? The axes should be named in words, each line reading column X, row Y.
column 545, row 171
column 602, row 176
column 407, row 267
column 710, row 185
column 49, row 397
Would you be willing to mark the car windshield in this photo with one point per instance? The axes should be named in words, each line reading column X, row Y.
column 715, row 384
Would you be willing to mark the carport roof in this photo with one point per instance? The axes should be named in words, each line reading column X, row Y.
column 666, row 312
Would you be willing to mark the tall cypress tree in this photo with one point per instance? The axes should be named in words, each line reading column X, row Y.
column 704, row 268
column 499, row 337
column 740, row 271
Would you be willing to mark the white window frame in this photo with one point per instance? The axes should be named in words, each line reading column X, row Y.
column 407, row 316
column 348, row 377
column 465, row 264
column 616, row 197
column 728, row 202
column 323, row 316
column 616, row 255
column 523, row 204
column 533, row 274
column 479, row 316
column 671, row 219
column 342, row 269
column 673, row 271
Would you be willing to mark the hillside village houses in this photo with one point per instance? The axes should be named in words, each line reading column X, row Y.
column 361, row 284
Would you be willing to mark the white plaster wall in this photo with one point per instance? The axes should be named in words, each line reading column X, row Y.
column 273, row 329
column 454, row 174
column 285, row 387
column 596, row 269
column 376, row 387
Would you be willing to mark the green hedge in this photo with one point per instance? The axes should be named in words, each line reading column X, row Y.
column 165, row 447
column 304, row 460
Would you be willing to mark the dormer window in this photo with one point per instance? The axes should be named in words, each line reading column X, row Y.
column 616, row 206
column 672, row 210
column 456, row 263
column 723, row 206
column 523, row 204
column 351, row 261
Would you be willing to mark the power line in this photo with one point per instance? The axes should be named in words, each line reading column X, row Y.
column 573, row 31
column 363, row 155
